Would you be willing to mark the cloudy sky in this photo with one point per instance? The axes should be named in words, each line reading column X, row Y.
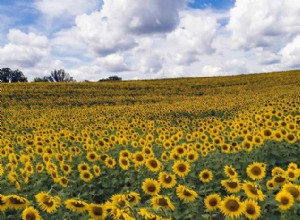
column 145, row 39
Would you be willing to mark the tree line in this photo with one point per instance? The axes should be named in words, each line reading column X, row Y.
column 8, row 75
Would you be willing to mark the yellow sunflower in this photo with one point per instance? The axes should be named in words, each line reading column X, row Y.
column 291, row 174
column 231, row 185
column 252, row 209
column 31, row 213
column 138, row 158
column 162, row 202
column 205, row 176
column 3, row 203
column 230, row 172
column 133, row 198
column 192, row 156
column 153, row 164
column 186, row 194
column 110, row 162
column 96, row 211
column 252, row 191
column 270, row 185
column 151, row 186
column 83, row 167
column 86, row 176
column 181, row 168
column 232, row 207
column 285, row 199
column 47, row 202
column 76, row 205
column 293, row 189
column 167, row 180
column 17, row 202
column 124, row 163
column 256, row 171
column 212, row 202
column 280, row 180
column 97, row 170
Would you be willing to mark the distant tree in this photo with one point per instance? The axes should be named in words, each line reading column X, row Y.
column 7, row 75
column 39, row 79
column 111, row 78
column 60, row 76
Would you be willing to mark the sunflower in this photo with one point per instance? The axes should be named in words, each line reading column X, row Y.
column 76, row 205
column 153, row 164
column 290, row 138
column 252, row 191
column 119, row 200
column 186, row 194
column 96, row 211
column 285, row 199
column 212, row 202
column 86, row 176
column 17, row 202
column 232, row 207
column 97, row 170
column 252, row 209
column 162, row 202
column 63, row 181
column 47, row 202
column 181, row 168
column 277, row 171
column 92, row 156
column 205, row 176
column 110, row 162
column 292, row 166
column 138, row 158
column 230, row 172
column 151, row 186
column 167, row 180
column 3, row 203
column 280, row 180
column 270, row 185
column 124, row 163
column 66, row 168
column 293, row 189
column 256, row 171
column 192, row 156
column 83, row 167
column 291, row 174
column 231, row 185
column 30, row 213
column 133, row 198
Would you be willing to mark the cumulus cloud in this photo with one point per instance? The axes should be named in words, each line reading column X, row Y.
column 114, row 63
column 24, row 50
column 291, row 53
column 259, row 23
column 54, row 8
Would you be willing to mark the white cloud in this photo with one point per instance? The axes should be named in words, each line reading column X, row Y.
column 54, row 8
column 262, row 23
column 209, row 70
column 113, row 63
column 291, row 53
column 24, row 50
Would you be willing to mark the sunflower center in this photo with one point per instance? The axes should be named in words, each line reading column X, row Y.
column 291, row 174
column 78, row 204
column 16, row 201
column 153, row 163
column 232, row 205
column 48, row 202
column 294, row 191
column 231, row 172
column 253, row 190
column 232, row 185
column 250, row 210
column 30, row 216
column 97, row 211
column 213, row 202
column 279, row 179
column 181, row 168
column 205, row 175
column 151, row 188
column 256, row 171
column 168, row 179
column 139, row 158
column 86, row 175
column 125, row 162
column 162, row 202
column 187, row 193
column 284, row 200
column 267, row 133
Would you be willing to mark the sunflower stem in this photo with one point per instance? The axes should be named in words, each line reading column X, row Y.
column 131, row 209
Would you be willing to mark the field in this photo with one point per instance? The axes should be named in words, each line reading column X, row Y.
column 190, row 148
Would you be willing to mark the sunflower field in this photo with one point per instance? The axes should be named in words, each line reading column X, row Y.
column 184, row 149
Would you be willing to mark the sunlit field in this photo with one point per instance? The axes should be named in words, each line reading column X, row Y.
column 191, row 148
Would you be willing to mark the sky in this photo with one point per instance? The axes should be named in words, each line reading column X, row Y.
column 149, row 39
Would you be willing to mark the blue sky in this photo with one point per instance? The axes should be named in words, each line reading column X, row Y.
column 149, row 39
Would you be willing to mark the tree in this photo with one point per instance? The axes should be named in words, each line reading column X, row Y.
column 111, row 78
column 60, row 76
column 7, row 75
column 39, row 79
